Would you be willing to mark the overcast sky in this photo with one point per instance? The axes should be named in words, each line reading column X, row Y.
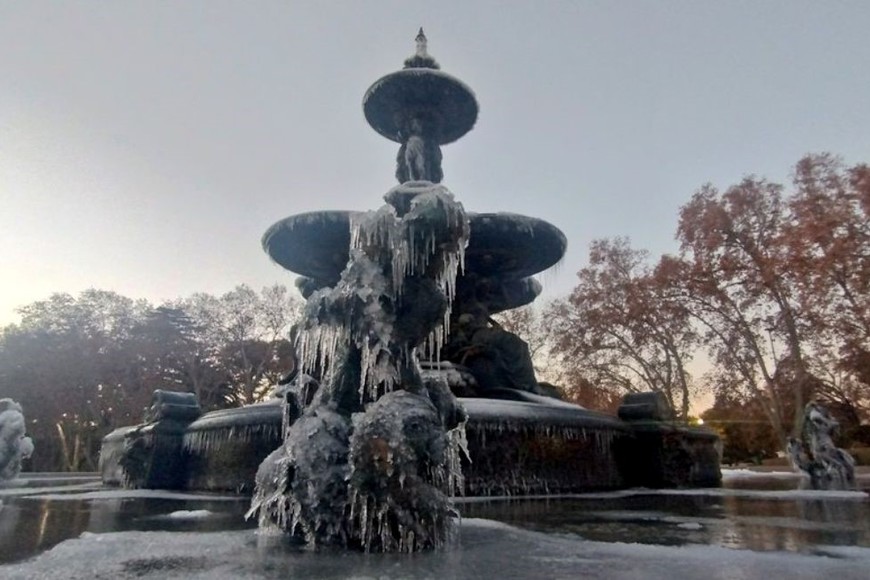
column 146, row 146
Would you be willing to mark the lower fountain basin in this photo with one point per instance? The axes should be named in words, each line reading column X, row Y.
column 518, row 444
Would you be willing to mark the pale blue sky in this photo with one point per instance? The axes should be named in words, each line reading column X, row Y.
column 145, row 146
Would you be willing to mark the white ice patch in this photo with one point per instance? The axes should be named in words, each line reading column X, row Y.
column 690, row 526
column 729, row 474
column 189, row 515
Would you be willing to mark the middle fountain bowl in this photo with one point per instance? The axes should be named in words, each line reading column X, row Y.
column 507, row 247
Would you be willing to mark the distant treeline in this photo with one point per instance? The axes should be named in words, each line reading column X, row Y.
column 771, row 286
column 82, row 366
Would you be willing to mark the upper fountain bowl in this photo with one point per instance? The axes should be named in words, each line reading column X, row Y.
column 444, row 104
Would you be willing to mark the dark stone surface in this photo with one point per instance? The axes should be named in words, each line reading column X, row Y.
column 442, row 101
column 172, row 405
column 662, row 455
column 651, row 406
column 503, row 247
column 315, row 244
column 499, row 293
column 516, row 447
column 497, row 359
column 527, row 445
column 530, row 461
column 224, row 448
column 151, row 455
column 148, row 456
column 521, row 447
column 512, row 246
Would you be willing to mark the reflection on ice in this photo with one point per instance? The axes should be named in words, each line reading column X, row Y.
column 189, row 514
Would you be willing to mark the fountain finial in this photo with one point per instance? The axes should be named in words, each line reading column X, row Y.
column 421, row 58
column 421, row 43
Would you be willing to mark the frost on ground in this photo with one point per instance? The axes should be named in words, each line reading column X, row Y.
column 741, row 473
column 486, row 550
column 189, row 514
column 690, row 526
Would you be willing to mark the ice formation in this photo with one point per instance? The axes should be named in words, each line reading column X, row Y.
column 372, row 461
column 14, row 445
column 828, row 466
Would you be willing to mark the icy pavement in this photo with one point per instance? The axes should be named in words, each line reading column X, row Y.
column 487, row 550
column 77, row 530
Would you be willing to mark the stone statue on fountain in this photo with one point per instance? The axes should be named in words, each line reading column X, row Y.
column 419, row 157
column 816, row 455
column 14, row 445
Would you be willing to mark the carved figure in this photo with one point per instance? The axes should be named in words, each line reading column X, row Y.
column 14, row 446
column 495, row 357
column 828, row 466
column 419, row 157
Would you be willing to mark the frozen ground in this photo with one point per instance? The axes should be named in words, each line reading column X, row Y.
column 487, row 549
column 73, row 529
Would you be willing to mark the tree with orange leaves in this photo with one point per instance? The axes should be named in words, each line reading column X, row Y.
column 828, row 254
column 621, row 328
column 779, row 286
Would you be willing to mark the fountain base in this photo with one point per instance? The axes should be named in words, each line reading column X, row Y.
column 518, row 445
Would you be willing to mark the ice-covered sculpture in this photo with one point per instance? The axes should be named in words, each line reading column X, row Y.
column 371, row 462
column 14, row 445
column 827, row 466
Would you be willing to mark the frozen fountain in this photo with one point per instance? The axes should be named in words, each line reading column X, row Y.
column 408, row 392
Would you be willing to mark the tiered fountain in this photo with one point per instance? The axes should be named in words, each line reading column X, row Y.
column 405, row 383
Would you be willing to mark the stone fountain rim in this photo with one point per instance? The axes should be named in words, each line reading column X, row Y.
column 481, row 411
column 456, row 103
column 524, row 230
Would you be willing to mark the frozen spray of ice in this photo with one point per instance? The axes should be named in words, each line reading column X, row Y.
column 372, row 462
column 816, row 454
